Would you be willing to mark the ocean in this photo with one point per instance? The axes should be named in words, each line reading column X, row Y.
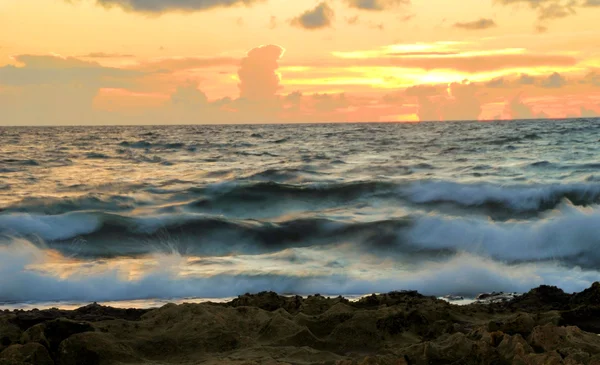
column 150, row 214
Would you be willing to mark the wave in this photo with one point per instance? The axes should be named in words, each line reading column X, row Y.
column 569, row 235
column 260, row 194
column 515, row 198
column 54, row 205
column 463, row 274
column 149, row 145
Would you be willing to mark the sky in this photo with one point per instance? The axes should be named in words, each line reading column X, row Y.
column 87, row 62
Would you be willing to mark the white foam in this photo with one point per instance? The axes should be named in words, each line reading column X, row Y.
column 50, row 227
column 23, row 278
column 517, row 197
column 566, row 233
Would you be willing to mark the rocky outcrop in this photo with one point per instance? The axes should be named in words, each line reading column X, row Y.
column 544, row 326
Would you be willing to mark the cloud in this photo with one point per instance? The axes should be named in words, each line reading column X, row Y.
column 550, row 9
column 498, row 82
column 375, row 5
column 591, row 3
column 273, row 22
column 588, row 113
column 458, row 62
column 592, row 78
column 53, row 62
column 329, row 102
column 554, row 81
column 477, row 24
column 458, row 101
column 517, row 109
column 319, row 17
column 188, row 95
column 106, row 55
column 163, row 6
column 185, row 63
column 56, row 70
column 50, row 89
column 525, row 79
column 258, row 75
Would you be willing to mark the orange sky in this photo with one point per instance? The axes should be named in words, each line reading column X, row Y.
column 247, row 61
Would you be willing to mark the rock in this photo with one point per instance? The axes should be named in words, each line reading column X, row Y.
column 393, row 328
column 589, row 297
column 36, row 334
column 94, row 348
column 549, row 338
column 521, row 323
column 513, row 346
column 29, row 354
column 9, row 333
column 57, row 330
column 542, row 298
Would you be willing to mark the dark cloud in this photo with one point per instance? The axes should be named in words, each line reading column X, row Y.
column 498, row 82
column 163, row 6
column 477, row 24
column 551, row 9
column 554, row 81
column 525, row 79
column 376, row 5
column 319, row 17
column 592, row 78
column 591, row 3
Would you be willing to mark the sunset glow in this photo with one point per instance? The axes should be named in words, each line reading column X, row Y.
column 129, row 62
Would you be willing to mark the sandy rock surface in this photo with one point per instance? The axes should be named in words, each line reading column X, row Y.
column 544, row 326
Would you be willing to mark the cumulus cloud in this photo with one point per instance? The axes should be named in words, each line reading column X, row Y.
column 458, row 101
column 329, row 102
column 498, row 82
column 163, row 6
column 588, row 113
column 258, row 75
column 525, row 79
column 188, row 95
column 375, row 5
column 317, row 18
column 517, row 109
column 592, row 78
column 480, row 24
column 554, row 81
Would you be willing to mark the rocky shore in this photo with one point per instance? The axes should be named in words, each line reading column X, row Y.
column 543, row 326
